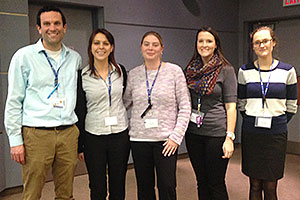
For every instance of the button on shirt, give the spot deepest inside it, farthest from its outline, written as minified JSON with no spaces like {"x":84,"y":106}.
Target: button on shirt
{"x":97,"y":104}
{"x":30,"y":81}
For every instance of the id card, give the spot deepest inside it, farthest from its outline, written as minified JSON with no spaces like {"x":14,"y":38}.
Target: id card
{"x":110,"y":121}
{"x":151,"y":123}
{"x":263,"y":122}
{"x":59,"y":102}
{"x":196,"y":118}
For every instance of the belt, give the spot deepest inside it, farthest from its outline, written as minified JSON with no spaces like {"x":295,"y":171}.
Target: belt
{"x":62,"y":127}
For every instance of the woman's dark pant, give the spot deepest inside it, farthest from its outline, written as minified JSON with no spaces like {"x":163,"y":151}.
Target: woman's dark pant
{"x":210,"y":168}
{"x":148,"y":156}
{"x":102,"y":152}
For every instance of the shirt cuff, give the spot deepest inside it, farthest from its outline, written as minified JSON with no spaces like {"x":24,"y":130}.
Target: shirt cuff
{"x":176,"y":137}
{"x":15,"y":140}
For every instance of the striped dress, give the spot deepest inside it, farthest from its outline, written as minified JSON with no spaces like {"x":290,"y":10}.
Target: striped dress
{"x":263,"y":149}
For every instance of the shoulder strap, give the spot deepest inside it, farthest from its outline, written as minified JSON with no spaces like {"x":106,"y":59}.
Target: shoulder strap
{"x":124,"y":72}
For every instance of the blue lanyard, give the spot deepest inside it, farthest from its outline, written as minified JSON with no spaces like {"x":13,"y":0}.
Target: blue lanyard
{"x":264,"y":90}
{"x":109,"y":83}
{"x":53,"y":91}
{"x":54,"y":71}
{"x":147,"y":83}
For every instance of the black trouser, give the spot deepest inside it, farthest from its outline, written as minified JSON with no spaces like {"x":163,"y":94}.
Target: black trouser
{"x":209,"y":166}
{"x":148,"y":156}
{"x":110,"y":151}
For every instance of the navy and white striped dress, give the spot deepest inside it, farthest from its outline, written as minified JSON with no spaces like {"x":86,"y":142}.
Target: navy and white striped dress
{"x":263,"y":149}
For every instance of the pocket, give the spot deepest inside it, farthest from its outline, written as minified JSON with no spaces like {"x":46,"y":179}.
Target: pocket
{"x":28,"y":135}
{"x":31,"y":140}
{"x":76,"y":130}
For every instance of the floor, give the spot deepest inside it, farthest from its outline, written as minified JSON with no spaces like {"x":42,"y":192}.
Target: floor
{"x":237,"y":183}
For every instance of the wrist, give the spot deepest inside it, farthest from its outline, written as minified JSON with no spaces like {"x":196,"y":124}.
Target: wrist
{"x":230,"y":135}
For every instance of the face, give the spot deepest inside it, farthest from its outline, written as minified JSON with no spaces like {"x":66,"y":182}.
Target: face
{"x":206,"y":45}
{"x":101,"y":48}
{"x":262,"y":43}
{"x":151,"y":48}
{"x":52,"y":29}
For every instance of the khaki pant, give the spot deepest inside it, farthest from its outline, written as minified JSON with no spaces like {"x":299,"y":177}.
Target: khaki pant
{"x":45,"y":149}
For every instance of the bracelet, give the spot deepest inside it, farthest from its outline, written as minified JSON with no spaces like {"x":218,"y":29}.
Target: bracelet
{"x":230,"y":135}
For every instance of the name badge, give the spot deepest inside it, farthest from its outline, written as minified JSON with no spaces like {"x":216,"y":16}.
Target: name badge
{"x":110,"y":121}
{"x":151,"y":123}
{"x":59,"y":102}
{"x":263,"y":122}
{"x":196,"y":118}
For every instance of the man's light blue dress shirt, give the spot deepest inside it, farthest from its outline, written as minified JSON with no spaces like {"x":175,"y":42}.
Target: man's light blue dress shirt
{"x":30,"y":81}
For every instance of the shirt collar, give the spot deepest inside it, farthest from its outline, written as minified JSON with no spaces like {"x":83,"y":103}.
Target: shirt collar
{"x":40,"y":47}
{"x":87,"y":69}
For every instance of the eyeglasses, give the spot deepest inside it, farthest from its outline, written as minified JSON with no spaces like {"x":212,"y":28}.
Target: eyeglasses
{"x":264,"y":42}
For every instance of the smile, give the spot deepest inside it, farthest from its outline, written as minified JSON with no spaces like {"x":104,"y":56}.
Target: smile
{"x":52,"y":34}
{"x":205,"y":50}
{"x":100,"y":52}
{"x":150,"y":54}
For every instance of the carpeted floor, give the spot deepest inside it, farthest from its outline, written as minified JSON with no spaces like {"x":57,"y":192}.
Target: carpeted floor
{"x":237,"y":183}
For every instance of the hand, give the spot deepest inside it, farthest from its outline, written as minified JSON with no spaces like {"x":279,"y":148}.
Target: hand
{"x":17,"y":154}
{"x":228,"y":148}
{"x":170,"y":148}
{"x":81,"y":157}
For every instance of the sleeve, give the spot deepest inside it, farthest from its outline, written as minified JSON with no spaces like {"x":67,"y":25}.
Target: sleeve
{"x":291,"y":94}
{"x":242,"y":91}
{"x":81,"y":111}
{"x":80,"y":63}
{"x":230,"y":85}
{"x":184,"y":108}
{"x":17,"y":82}
{"x":127,"y":97}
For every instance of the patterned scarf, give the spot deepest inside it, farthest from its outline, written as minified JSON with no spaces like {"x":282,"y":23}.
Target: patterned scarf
{"x":202,"y":79}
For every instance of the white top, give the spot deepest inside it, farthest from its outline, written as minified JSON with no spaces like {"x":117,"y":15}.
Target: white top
{"x":98,"y":108}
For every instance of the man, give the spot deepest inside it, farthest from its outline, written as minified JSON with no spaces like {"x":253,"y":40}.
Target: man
{"x":39,"y":112}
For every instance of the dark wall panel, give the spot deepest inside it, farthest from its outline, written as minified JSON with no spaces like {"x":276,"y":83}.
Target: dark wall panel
{"x":175,"y":13}
{"x":177,"y":49}
{"x":14,"y":6}
{"x":14,"y":34}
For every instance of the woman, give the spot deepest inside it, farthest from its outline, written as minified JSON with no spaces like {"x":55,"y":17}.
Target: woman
{"x":267,"y":93}
{"x":209,"y":139}
{"x":104,"y":140}
{"x":160,"y":110}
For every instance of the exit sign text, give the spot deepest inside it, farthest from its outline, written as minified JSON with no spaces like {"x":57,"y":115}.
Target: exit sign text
{"x":291,"y":2}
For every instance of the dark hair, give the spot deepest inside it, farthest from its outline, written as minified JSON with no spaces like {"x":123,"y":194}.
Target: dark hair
{"x":218,"y":49}
{"x":157,"y":35}
{"x":49,"y":9}
{"x":111,"y":57}
{"x":274,"y":38}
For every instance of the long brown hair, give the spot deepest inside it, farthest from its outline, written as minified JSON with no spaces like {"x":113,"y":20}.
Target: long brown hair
{"x":111,"y":57}
{"x":218,"y":49}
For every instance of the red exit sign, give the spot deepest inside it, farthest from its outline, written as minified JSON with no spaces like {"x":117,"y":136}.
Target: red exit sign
{"x":291,"y":2}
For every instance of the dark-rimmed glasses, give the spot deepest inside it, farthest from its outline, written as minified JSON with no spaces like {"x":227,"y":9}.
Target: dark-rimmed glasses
{"x":264,"y":42}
